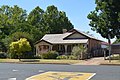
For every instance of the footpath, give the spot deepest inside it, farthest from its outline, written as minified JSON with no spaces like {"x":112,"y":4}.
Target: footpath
{"x":92,"y":61}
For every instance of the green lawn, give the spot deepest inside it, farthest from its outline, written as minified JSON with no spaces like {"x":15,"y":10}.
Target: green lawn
{"x":40,"y":61}
{"x":113,"y":62}
{"x":9,"y":60}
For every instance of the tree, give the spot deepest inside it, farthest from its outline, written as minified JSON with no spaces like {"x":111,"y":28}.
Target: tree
{"x":2,"y":47}
{"x":15,"y":37}
{"x":35,"y":16}
{"x":79,"y":52}
{"x":105,"y":19}
{"x":56,"y":20}
{"x":10,"y":17}
{"x":49,"y":21}
{"x":38,"y":27}
{"x":19,"y":47}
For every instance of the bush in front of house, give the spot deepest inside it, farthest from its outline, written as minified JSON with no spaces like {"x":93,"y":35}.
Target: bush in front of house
{"x":79,"y":52}
{"x":114,"y":57}
{"x":62,"y":57}
{"x":26,"y":55}
{"x":71,"y":57}
{"x":3,"y":55}
{"x":12,"y":55}
{"x":49,"y":55}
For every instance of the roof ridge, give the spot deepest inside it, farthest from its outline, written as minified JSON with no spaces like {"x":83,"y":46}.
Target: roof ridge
{"x":84,"y":34}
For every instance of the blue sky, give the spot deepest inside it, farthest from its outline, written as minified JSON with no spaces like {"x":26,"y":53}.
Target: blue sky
{"x":76,"y":10}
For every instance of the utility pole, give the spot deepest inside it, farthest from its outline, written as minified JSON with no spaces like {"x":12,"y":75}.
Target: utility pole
{"x":109,"y":47}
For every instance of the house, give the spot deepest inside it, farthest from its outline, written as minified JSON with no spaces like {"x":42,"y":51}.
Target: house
{"x":64,"y":43}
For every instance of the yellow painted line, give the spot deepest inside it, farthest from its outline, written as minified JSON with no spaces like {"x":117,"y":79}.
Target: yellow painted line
{"x":62,"y":76}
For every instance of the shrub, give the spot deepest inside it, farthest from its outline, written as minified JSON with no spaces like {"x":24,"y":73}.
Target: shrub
{"x":37,"y":57}
{"x":49,"y":55}
{"x":71,"y":57}
{"x":3,"y":55}
{"x":79,"y":52}
{"x":12,"y":56}
{"x":31,"y":57}
{"x":27,"y":55}
{"x":116,"y":57}
{"x":62,"y":57}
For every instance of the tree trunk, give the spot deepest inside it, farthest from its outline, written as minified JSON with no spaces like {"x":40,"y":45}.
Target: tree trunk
{"x":19,"y":57}
{"x":81,"y":55}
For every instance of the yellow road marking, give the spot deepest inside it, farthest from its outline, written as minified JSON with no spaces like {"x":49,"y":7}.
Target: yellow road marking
{"x":62,"y":76}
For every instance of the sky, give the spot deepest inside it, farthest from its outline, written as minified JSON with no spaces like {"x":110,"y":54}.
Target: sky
{"x":76,"y":10}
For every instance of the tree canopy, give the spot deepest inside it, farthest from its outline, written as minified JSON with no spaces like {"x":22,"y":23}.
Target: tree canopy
{"x":19,"y":47}
{"x":105,"y":19}
{"x":50,"y":21}
{"x":10,"y":18}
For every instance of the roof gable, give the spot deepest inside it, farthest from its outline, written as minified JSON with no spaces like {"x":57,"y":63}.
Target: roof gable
{"x":76,"y":35}
{"x":87,"y":35}
{"x":43,"y":42}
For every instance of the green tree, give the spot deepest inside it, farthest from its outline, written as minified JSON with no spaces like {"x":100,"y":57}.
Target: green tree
{"x":49,"y":21}
{"x":10,"y":17}
{"x":2,"y":47}
{"x":19,"y":47}
{"x":56,"y":20}
{"x":16,"y":36}
{"x":105,"y":19}
{"x":35,"y":18}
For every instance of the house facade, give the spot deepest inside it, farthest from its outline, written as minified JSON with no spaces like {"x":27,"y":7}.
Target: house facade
{"x":64,"y":43}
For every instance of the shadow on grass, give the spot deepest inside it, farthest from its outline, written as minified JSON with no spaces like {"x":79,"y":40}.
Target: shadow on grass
{"x":29,"y":60}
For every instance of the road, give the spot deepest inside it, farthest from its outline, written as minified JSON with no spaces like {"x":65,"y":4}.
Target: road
{"x":10,"y":71}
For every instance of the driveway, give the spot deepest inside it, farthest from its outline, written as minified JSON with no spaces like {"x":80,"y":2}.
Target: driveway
{"x":92,"y":61}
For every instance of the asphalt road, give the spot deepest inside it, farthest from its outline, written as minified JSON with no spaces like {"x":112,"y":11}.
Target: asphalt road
{"x":10,"y":71}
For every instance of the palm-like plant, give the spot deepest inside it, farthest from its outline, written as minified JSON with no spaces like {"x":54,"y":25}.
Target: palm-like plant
{"x":79,"y":51}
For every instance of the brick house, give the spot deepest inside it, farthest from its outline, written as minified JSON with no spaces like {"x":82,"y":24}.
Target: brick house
{"x":64,"y":43}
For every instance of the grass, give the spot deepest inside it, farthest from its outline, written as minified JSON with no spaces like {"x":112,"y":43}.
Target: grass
{"x":60,"y":61}
{"x":113,"y":62}
{"x":9,"y":60}
{"x":40,"y":61}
